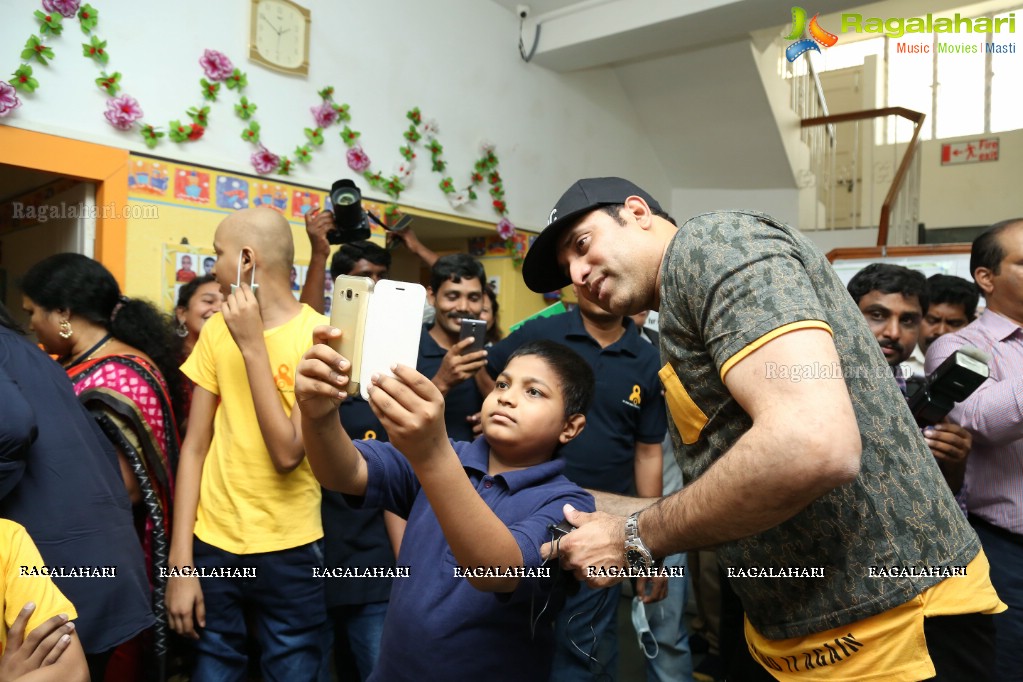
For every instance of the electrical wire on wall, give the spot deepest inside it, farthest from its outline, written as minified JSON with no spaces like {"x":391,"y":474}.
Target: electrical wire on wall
{"x":536,"y":37}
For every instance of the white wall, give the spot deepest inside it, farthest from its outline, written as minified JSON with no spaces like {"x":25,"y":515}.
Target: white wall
{"x":781,"y":204}
{"x":975,"y":193}
{"x":457,"y":61}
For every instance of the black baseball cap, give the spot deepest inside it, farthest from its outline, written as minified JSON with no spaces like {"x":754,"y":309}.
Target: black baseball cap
{"x":540,"y":268}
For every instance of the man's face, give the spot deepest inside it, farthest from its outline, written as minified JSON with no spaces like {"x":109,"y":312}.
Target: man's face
{"x":894,"y":320}
{"x":455,"y":300}
{"x":940,"y":319}
{"x":605,"y":261}
{"x":186,"y":262}
{"x":1006,"y":295}
{"x":363,"y":268}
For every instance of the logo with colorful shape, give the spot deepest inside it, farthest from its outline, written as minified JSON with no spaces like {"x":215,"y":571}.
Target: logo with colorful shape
{"x":817,"y":35}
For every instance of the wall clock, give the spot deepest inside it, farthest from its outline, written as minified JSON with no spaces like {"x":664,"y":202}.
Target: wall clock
{"x":279,"y":37}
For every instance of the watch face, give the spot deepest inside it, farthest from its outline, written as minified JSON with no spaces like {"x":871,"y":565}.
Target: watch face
{"x":280,"y":33}
{"x":636,"y":558}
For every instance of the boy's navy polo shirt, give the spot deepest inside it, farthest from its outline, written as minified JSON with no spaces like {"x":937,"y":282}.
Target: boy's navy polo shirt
{"x":355,"y":537}
{"x":461,"y":401}
{"x":628,"y":406}
{"x":438,"y":626}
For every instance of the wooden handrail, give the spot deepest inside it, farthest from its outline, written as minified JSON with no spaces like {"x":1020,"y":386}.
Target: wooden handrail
{"x":857,"y":252}
{"x":916,"y":117}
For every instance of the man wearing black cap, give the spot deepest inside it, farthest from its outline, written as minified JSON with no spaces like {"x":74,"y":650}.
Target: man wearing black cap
{"x":802,"y":462}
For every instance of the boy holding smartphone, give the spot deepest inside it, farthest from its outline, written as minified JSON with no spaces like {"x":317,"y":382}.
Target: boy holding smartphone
{"x":486,"y":505}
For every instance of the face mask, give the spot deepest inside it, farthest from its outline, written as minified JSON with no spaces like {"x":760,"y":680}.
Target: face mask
{"x":647,"y":643}
{"x":238,"y":278}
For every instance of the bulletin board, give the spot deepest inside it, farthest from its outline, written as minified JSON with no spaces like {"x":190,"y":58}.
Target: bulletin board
{"x":175,"y":208}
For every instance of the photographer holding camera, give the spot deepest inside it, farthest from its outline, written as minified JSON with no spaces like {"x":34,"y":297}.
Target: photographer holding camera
{"x":892,"y":299}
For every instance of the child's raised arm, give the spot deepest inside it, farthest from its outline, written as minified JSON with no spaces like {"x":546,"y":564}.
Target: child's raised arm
{"x":411,"y":409}
{"x":319,"y":391}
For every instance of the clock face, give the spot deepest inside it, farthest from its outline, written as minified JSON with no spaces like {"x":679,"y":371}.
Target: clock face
{"x":280,"y":34}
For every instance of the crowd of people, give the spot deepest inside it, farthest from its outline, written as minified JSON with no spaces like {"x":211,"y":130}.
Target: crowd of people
{"x":199,"y":495}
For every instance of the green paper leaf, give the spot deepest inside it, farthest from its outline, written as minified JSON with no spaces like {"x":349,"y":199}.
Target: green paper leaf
{"x":447,"y":185}
{"x":245,"y":109}
{"x":251,"y":134}
{"x":96,"y":49}
{"x":49,"y":23}
{"x":151,"y":135}
{"x":109,"y":83}
{"x":314,"y":136}
{"x":472,"y":194}
{"x":200,"y":116}
{"x":178,"y":131}
{"x":407,"y":152}
{"x":285,"y":167}
{"x":237,"y":80}
{"x":394,"y":187}
{"x":23,"y":80}
{"x":303,"y":154}
{"x":342,"y":112}
{"x":412,"y":135}
{"x":414,"y":116}
{"x":88,"y":17}
{"x":327,"y":92}
{"x":34,"y":49}
{"x":439,"y":166}
{"x":349,"y":136}
{"x":209,"y":90}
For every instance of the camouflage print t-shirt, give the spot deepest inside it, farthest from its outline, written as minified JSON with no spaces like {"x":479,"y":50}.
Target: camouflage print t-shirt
{"x":732,"y":281}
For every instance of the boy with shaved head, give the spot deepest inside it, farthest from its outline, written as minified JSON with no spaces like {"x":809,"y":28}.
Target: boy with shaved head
{"x":247,"y":526}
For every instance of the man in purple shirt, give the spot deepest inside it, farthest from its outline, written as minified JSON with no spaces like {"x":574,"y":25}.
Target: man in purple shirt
{"x":994,"y":414}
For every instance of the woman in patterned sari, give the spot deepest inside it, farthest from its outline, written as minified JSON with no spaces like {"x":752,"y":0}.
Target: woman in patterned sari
{"x":119,"y":355}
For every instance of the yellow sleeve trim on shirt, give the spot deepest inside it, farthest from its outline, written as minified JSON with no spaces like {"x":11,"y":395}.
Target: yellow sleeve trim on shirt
{"x":771,"y":336}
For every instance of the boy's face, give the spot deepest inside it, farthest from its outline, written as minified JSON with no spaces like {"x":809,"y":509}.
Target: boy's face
{"x":525,"y":413}
{"x":225,"y":270}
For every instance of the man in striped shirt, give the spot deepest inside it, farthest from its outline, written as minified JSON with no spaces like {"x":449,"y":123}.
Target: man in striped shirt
{"x":994,"y":414}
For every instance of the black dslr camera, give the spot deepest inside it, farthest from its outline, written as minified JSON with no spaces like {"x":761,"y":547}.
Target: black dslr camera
{"x":351,"y":221}
{"x":952,"y":382}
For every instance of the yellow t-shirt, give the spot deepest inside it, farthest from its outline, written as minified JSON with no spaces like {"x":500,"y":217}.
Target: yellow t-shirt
{"x":16,"y":589}
{"x":245,"y":506}
{"x":888,"y":647}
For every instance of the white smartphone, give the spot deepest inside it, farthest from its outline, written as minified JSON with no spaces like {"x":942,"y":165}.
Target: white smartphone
{"x":393,"y":325}
{"x":348,"y":312}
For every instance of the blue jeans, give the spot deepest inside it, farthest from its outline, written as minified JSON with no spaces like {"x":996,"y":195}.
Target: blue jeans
{"x":287,"y":605}
{"x":357,"y":632}
{"x":586,"y":636}
{"x":1005,"y":553}
{"x":667,"y":621}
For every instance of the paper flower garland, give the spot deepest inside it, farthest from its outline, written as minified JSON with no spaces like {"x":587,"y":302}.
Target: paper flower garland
{"x":123,"y":112}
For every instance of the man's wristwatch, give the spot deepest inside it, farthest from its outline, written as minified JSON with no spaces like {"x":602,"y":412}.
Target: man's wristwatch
{"x":636,"y":553}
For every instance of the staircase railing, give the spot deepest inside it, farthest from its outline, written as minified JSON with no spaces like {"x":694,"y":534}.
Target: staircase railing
{"x":899,"y":215}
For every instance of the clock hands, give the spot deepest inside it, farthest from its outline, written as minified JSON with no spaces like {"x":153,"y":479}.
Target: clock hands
{"x":276,"y":30}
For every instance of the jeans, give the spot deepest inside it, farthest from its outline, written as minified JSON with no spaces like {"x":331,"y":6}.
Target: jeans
{"x":357,"y":632}
{"x":586,"y":636}
{"x":288,"y":609}
{"x":1005,"y":553}
{"x":667,"y":620}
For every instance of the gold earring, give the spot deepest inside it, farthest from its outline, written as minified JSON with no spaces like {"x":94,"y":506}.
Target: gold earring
{"x":65,"y":329}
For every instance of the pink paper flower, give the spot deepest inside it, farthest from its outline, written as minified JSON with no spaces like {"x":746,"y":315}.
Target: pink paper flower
{"x":358,"y":160}
{"x":122,"y":112}
{"x":67,"y":8}
{"x":216,"y":65}
{"x":325,"y":114}
{"x":264,"y":161}
{"x":505,"y":229}
{"x":8,"y":98}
